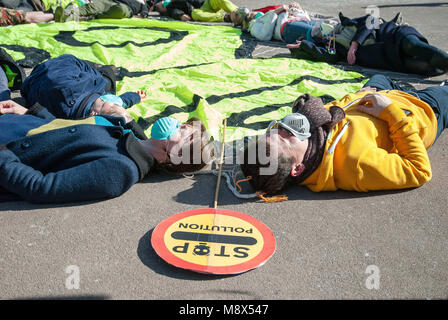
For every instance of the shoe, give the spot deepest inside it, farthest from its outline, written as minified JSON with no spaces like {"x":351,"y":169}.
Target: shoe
{"x":227,"y":17}
{"x":398,"y":19}
{"x":14,"y":72}
{"x":242,"y":15}
{"x":62,"y":15}
{"x":58,"y":14}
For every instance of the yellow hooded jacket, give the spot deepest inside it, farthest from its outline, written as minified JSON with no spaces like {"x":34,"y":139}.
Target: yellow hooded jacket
{"x":365,"y":153}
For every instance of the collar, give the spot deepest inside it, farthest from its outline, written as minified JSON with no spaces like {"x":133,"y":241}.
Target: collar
{"x":139,"y":155}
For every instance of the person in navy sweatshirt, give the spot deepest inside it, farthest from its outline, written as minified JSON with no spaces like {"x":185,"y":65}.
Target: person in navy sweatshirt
{"x":46,"y":159}
{"x":71,"y":88}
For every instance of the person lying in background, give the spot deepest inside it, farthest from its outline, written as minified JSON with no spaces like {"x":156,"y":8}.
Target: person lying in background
{"x":102,"y":9}
{"x":198,"y":10}
{"x":177,"y":9}
{"x":390,"y":46}
{"x":9,"y":17}
{"x":281,"y":23}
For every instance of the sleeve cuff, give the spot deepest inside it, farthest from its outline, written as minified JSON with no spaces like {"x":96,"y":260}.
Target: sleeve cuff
{"x":34,"y":109}
{"x":392,"y":114}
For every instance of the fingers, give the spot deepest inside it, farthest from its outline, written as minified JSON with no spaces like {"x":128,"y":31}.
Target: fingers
{"x":143,"y":94}
{"x":367,"y":99}
{"x":294,"y":45}
{"x":366,"y":109}
{"x":6,"y":107}
{"x":351,"y":58}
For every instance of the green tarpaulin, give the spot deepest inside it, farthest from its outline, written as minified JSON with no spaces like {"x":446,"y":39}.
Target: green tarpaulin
{"x":187,"y":69}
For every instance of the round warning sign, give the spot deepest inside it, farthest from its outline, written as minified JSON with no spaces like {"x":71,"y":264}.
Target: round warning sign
{"x":213,"y":241}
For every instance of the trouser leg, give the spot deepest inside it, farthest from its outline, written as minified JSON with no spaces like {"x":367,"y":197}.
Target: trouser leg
{"x":95,"y":8}
{"x":297,"y":30}
{"x":11,"y":17}
{"x":213,"y":11}
{"x":437,"y":98}
{"x":5,"y":94}
{"x":225,"y":5}
{"x":382,"y":82}
{"x":414,"y":47}
{"x":118,"y":11}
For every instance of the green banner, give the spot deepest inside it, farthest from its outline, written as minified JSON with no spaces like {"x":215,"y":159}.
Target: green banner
{"x":187,"y":69}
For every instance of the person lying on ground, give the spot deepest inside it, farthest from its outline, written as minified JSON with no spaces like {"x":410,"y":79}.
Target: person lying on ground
{"x":9,"y":17}
{"x":71,"y":88}
{"x":215,"y":11}
{"x":390,"y":46}
{"x":103,"y":9}
{"x":45,"y":159}
{"x":375,"y":139}
{"x":272,"y":23}
{"x":177,"y":9}
{"x":25,"y":5}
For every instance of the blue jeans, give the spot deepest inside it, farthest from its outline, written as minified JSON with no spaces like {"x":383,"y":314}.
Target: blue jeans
{"x":436,"y":97}
{"x":5,"y":93}
{"x":298,"y":30}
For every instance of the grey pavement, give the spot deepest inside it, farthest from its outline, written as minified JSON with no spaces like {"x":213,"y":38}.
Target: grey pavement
{"x":325,"y":241}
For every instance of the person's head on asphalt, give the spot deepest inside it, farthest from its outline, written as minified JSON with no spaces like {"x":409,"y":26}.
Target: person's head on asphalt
{"x":180,"y":147}
{"x":292,"y":148}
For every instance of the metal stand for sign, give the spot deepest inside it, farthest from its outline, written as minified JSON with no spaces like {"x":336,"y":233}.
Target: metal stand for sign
{"x":215,"y":204}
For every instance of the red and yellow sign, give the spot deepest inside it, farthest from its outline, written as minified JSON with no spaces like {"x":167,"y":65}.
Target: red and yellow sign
{"x":213,"y":241}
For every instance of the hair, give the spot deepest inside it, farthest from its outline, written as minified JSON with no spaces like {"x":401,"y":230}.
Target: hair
{"x":198,"y":141}
{"x":270,"y":184}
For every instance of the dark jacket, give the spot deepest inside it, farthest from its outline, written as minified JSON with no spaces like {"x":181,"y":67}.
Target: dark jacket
{"x":66,"y":86}
{"x":136,"y":7}
{"x":73,"y":163}
{"x":177,"y":8}
{"x":385,"y":53}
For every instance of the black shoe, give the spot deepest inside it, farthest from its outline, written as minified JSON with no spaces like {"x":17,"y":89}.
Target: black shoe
{"x":398,"y":19}
{"x":14,"y":72}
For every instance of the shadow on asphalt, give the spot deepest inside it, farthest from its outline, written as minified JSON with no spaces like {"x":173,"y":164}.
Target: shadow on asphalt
{"x":303,"y":193}
{"x":202,"y":193}
{"x":149,"y":258}
{"x":86,"y":297}
{"x":427,"y":4}
{"x":19,"y":205}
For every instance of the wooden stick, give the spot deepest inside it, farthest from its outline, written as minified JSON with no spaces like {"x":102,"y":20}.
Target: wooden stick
{"x":215,"y":204}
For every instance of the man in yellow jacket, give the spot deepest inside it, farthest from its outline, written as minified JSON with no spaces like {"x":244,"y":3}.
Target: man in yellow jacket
{"x":374,"y":139}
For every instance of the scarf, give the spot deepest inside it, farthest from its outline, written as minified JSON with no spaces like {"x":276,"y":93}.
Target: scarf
{"x":321,"y":121}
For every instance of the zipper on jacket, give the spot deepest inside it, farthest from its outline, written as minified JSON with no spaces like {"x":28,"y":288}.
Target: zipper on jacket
{"x":338,"y":137}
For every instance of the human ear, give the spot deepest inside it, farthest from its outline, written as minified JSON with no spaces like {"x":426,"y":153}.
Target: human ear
{"x":297,"y":169}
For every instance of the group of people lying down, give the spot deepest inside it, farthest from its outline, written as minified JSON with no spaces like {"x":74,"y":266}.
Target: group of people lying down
{"x":74,"y":140}
{"x":367,"y":41}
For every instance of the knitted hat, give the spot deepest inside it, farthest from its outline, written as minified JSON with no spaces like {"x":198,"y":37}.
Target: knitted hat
{"x":318,"y":116}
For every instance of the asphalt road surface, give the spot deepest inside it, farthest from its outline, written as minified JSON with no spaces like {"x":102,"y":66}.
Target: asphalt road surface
{"x":327,"y":242}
